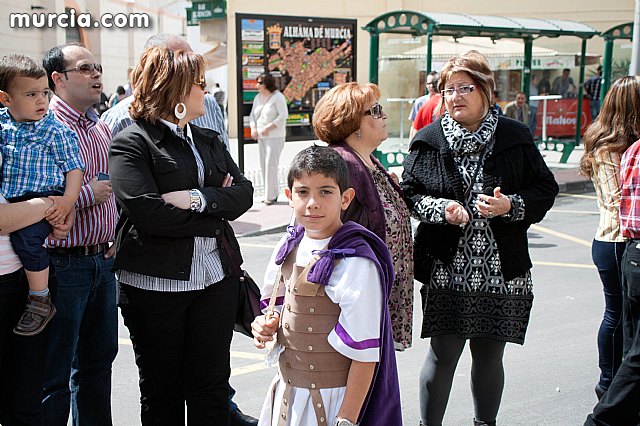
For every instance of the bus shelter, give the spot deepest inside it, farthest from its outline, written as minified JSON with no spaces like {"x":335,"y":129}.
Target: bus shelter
{"x":418,"y":24}
{"x":619,"y":32}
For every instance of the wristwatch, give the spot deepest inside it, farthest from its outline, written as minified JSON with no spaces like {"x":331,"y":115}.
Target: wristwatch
{"x":344,"y":422}
{"x":196,"y":202}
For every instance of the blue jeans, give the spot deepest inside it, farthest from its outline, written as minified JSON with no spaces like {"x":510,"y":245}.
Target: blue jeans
{"x":594,"y":108}
{"x":607,"y":256}
{"x":84,"y":341}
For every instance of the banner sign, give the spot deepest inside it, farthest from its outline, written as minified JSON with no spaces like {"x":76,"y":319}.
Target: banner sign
{"x":561,"y":118}
{"x":307,"y":57}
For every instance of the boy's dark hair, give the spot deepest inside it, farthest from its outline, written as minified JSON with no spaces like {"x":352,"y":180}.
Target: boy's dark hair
{"x":13,"y":66}
{"x":319,"y":159}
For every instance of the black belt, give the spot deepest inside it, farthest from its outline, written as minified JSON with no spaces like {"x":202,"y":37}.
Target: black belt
{"x":80,"y":250}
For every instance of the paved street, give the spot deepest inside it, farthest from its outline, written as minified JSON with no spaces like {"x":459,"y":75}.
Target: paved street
{"x":549,"y":380}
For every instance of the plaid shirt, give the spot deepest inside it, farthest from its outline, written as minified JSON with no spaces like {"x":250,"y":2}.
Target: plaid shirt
{"x":36,"y":154}
{"x":630,"y":192}
{"x":95,"y":223}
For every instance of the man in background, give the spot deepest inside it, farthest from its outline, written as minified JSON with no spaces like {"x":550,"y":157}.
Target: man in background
{"x":432,"y":88}
{"x":518,"y":109}
{"x":592,"y":88}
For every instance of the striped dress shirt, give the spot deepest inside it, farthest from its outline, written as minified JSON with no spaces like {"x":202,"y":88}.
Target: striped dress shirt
{"x":95,"y":223}
{"x":630,"y":192}
{"x":9,"y":261}
{"x":118,"y":119}
{"x":206,"y":265}
{"x":36,"y":154}
{"x":606,"y":180}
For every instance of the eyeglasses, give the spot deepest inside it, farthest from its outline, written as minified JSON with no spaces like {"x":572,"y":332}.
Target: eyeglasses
{"x":460,"y":90}
{"x":202,"y":83}
{"x":85,"y":69}
{"x":260,"y":82}
{"x":375,"y":111}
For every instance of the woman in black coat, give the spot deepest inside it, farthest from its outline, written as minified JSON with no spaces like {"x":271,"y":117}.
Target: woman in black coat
{"x":177,"y":187}
{"x":476,"y":182}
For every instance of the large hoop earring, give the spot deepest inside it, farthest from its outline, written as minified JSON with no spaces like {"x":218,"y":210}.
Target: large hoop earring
{"x":176,"y":111}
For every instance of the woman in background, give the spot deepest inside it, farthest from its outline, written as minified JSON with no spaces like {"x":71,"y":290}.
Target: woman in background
{"x":607,"y":138}
{"x":268,"y":122}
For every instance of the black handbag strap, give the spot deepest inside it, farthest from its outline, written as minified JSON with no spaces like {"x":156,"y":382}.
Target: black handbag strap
{"x":235,"y":263}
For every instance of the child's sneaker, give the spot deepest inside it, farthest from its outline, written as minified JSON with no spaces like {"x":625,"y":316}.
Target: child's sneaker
{"x":36,"y":315}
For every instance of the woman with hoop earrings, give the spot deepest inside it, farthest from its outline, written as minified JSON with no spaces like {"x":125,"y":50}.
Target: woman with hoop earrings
{"x":177,"y":187}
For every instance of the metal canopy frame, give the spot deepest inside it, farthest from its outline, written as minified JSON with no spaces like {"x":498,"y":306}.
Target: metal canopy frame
{"x":495,"y":27}
{"x":619,"y":32}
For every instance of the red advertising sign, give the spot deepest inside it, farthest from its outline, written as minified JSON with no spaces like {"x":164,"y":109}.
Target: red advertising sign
{"x":561,"y":117}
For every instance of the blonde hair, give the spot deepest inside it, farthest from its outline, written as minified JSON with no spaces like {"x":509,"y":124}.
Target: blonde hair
{"x":162,"y":79}
{"x":476,"y":65}
{"x":340,"y":110}
{"x":617,"y":126}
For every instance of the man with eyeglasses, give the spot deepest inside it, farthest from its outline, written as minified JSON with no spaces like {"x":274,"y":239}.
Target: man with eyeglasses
{"x":84,"y":333}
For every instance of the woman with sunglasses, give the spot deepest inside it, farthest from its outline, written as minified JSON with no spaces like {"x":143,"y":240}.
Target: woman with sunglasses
{"x":476,"y":182}
{"x":268,"y":121}
{"x":177,"y":188}
{"x":350,"y":119}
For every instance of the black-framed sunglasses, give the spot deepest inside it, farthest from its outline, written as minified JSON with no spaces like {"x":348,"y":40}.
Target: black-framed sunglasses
{"x":85,"y":69}
{"x":375,"y":111}
{"x":260,"y":82}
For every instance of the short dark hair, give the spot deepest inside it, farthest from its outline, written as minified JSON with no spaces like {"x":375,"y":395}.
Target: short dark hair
{"x":268,"y":81}
{"x":120,"y":90}
{"x":13,"y":66}
{"x":54,"y":61}
{"x":319,"y":159}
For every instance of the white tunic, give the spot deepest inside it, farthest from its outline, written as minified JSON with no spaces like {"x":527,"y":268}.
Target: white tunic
{"x":355,"y":286}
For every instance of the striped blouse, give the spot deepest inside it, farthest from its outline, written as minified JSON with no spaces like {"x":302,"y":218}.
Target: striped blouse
{"x":606,"y":180}
{"x":9,"y":261}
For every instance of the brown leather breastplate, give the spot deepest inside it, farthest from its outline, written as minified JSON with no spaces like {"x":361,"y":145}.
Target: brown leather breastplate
{"x":307,"y":318}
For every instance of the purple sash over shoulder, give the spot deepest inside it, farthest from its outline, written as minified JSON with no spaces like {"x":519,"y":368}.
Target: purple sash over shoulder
{"x":382,"y":405}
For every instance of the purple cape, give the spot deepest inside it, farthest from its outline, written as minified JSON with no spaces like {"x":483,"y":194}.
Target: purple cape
{"x":382,"y":404}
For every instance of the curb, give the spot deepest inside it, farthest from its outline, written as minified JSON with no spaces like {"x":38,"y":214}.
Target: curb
{"x":265,"y":231}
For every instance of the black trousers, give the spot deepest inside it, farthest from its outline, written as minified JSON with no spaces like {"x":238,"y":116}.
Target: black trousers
{"x":22,"y":359}
{"x":620,"y":404}
{"x":181,"y":341}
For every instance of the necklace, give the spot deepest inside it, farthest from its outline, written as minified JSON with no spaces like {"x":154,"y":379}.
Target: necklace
{"x":369,"y":164}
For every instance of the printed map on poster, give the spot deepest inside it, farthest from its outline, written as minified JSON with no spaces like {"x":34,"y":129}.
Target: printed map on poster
{"x":311,"y":57}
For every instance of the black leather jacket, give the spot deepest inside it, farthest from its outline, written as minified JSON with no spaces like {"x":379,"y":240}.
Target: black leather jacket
{"x":152,"y":237}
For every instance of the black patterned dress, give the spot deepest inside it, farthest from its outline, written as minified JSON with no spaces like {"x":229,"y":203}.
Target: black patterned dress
{"x":469,"y":297}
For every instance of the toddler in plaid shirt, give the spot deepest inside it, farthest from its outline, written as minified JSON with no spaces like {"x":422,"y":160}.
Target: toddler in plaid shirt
{"x":39,"y":157}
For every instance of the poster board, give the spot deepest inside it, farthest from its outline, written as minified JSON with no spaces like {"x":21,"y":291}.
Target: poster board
{"x":306,"y":55}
